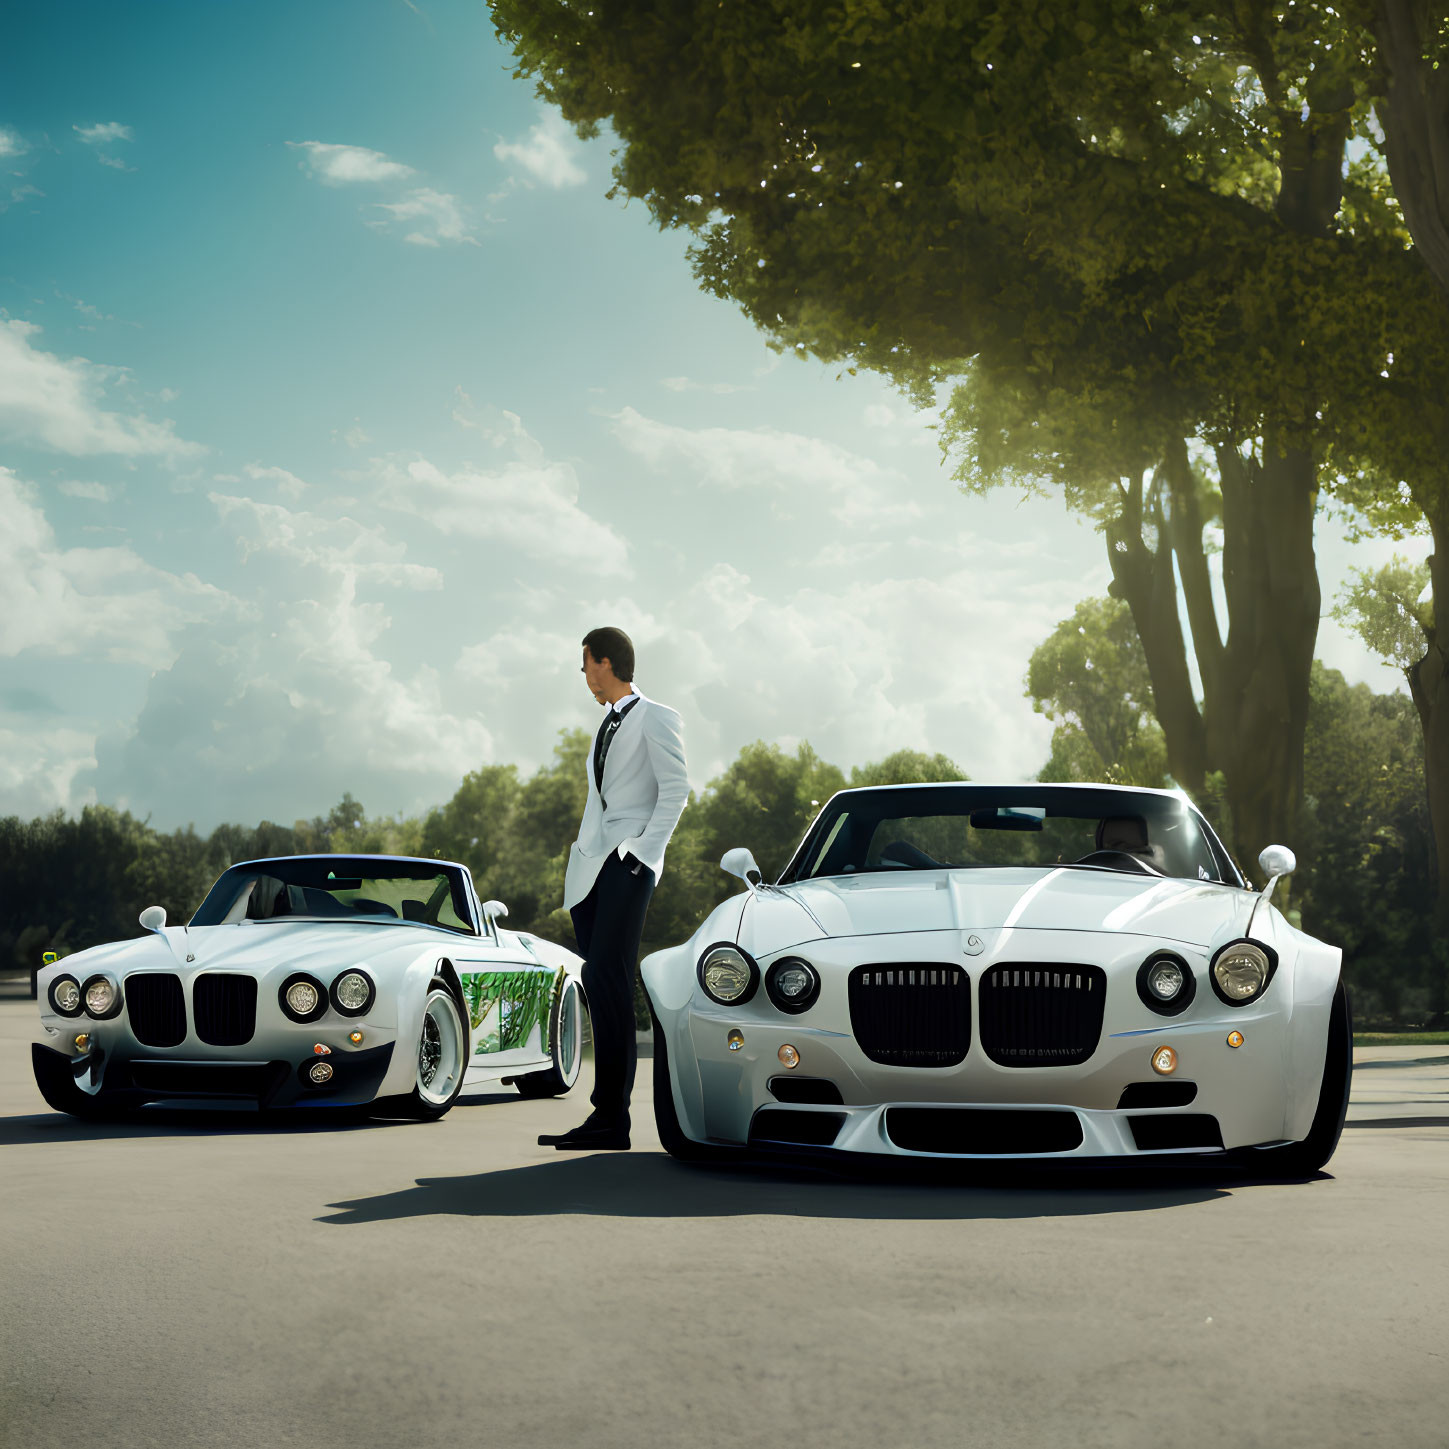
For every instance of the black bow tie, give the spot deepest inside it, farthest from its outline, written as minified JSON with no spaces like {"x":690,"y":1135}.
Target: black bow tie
{"x":612,"y":721}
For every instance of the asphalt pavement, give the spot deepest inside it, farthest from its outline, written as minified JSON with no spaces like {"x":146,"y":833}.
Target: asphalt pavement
{"x":204,"y":1279}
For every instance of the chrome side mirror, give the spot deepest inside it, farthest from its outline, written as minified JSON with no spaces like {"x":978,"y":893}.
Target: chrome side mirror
{"x":741,"y":862}
{"x":493,"y":909}
{"x":1277,"y":860}
{"x":153,"y":917}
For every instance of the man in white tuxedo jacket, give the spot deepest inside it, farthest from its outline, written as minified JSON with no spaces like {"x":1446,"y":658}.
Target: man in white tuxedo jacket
{"x":637,"y":792}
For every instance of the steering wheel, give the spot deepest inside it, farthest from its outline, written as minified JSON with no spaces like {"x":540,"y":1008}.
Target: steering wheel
{"x":1118,"y":860}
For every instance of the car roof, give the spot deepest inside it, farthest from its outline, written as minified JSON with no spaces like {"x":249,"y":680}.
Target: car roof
{"x":1020,"y":785}
{"x":351,"y":855}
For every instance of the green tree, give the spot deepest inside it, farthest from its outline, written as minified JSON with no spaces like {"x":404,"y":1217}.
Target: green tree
{"x":1090,"y":676}
{"x":1132,"y":226}
{"x":906,"y":767}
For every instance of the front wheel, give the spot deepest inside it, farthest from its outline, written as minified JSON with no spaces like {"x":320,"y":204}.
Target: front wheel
{"x":566,"y":1046}
{"x":1303,"y":1159}
{"x":442,"y":1058}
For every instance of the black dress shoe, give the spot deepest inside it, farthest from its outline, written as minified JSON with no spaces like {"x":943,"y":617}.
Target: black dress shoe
{"x":591,"y":1137}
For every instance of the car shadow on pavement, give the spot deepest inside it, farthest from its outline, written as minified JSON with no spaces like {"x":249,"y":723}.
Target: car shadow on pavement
{"x":178,"y":1122}
{"x":652,"y":1185}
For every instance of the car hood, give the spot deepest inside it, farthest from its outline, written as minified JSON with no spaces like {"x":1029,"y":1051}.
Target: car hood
{"x":1197,"y":913}
{"x":257,"y":947}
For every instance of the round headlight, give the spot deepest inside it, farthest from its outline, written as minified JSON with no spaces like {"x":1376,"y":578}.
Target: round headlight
{"x":65,"y":996}
{"x":1240,"y":972}
{"x":1165,"y":984}
{"x":1165,"y":979}
{"x":352,"y":993}
{"x":303,"y":997}
{"x":100,"y":995}
{"x":793,"y":984}
{"x":728,"y":975}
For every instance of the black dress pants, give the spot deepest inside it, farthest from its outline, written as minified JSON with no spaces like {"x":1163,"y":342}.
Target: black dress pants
{"x":608,"y":924}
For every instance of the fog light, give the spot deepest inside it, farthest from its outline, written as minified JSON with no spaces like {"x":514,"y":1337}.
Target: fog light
{"x":320,"y":1072}
{"x":355,"y":1037}
{"x":322,"y":1050}
{"x":1235,"y":1038}
{"x":1164,"y":1061}
{"x":735,"y":1041}
{"x":789,"y":1057}
{"x":82,"y":1041}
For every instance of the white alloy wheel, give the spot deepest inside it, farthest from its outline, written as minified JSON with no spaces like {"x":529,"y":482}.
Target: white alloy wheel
{"x":442,"y":1049}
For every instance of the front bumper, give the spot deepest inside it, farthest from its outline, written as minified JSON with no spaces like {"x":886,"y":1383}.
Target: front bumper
{"x":1239,"y":1097}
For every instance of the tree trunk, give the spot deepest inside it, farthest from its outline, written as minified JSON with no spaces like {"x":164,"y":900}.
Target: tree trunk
{"x":1143,"y":578}
{"x":1257,"y":719}
{"x":1429,"y":686}
{"x":1415,"y":118}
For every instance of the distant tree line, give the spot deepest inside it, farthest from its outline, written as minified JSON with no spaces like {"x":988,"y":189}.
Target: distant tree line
{"x":1365,"y":849}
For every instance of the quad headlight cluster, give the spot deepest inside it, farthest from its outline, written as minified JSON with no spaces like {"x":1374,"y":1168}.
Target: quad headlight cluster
{"x":304,"y":998}
{"x":101,"y":998}
{"x":65,"y":996}
{"x":1241,"y":971}
{"x":731,"y":977}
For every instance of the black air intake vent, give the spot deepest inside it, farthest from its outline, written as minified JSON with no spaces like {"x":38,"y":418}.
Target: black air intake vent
{"x":225,"y":1008}
{"x":1041,"y":1013}
{"x":911,"y":1013}
{"x":156,"y":1008}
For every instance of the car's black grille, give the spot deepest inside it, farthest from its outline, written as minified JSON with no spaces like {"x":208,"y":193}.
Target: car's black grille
{"x":156,"y":1008}
{"x":225,"y":1008}
{"x":203,"y":1079}
{"x":982,"y":1132}
{"x":1041,"y":1014}
{"x":912,"y":1013}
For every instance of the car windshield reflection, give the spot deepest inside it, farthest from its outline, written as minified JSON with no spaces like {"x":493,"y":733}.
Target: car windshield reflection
{"x":947,"y":827}
{"x":339,"y":888}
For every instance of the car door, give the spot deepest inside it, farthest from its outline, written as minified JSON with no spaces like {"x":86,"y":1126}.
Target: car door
{"x":508,"y":992}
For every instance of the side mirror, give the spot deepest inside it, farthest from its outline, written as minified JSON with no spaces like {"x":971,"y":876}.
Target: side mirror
{"x":153,"y":917}
{"x":1277,"y":860}
{"x":493,"y":909}
{"x":741,"y":862}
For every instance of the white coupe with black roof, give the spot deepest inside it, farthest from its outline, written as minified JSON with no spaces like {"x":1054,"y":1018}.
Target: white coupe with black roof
{"x":374,"y":982}
{"x":1047,"y":972}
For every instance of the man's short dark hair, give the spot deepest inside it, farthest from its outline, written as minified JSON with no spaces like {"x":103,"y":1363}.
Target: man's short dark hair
{"x":615,"y":646}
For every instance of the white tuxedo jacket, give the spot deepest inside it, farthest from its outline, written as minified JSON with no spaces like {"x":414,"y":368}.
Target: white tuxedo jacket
{"x":645,"y":788}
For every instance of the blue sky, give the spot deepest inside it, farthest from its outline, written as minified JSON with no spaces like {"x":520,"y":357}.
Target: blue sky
{"x":337,"y":402}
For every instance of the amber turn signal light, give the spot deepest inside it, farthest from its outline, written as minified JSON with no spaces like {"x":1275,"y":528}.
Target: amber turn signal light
{"x":1235,"y":1038}
{"x":789,"y":1057}
{"x":355,"y":1037}
{"x":1164,"y":1061}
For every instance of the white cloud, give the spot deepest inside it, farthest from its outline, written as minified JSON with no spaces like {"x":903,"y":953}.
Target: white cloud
{"x":288,"y":484}
{"x":11,"y":144}
{"x":855,"y":490}
{"x":530,"y":507}
{"x":434,"y":209}
{"x":547,"y":154}
{"x":104,"y":133}
{"x":100,"y":602}
{"x":54,"y":403}
{"x":335,"y":165}
{"x":347,"y":550}
{"x":95,"y":492}
{"x":39,"y":767}
{"x":19,"y":194}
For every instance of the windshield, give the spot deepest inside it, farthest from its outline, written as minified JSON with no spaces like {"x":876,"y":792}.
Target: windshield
{"x":339,"y":887}
{"x":965,"y":827}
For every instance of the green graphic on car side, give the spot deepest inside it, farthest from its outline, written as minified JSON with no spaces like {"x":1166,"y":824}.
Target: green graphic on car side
{"x":504,"y":1007}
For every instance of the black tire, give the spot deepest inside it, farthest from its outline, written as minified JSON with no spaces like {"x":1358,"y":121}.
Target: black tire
{"x":1303,"y":1159}
{"x":666,"y":1118}
{"x":560,"y":1076}
{"x":427,"y":1102}
{"x":56,"y":1081}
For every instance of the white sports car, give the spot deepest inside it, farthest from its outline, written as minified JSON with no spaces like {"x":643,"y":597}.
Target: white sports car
{"x":1035,"y":971}
{"x":314,"y":981}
